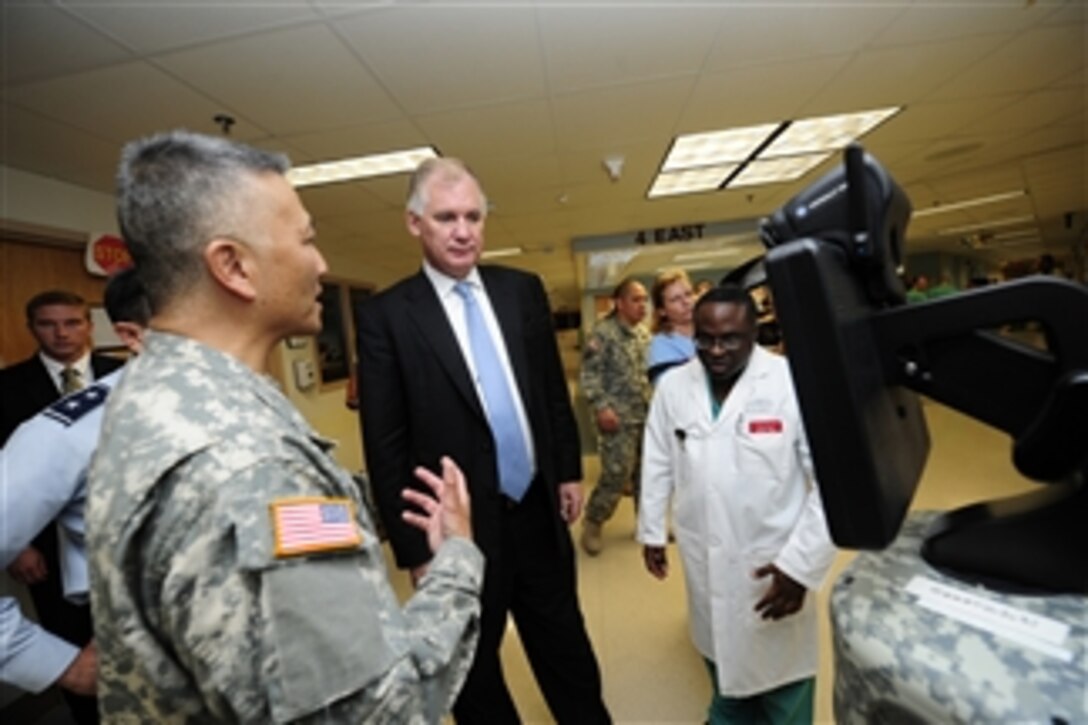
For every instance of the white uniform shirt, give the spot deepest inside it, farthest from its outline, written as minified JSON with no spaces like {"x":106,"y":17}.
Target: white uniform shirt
{"x":743,"y":496}
{"x":43,"y":472}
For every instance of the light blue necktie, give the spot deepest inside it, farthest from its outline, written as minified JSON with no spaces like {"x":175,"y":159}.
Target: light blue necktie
{"x":515,"y":470}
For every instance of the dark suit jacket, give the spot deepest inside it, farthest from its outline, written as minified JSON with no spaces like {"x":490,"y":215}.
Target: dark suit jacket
{"x":418,"y":402}
{"x":26,"y":388}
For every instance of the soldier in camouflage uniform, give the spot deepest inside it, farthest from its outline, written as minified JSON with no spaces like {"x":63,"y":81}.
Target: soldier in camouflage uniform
{"x":236,"y":576}
{"x":615,"y":384}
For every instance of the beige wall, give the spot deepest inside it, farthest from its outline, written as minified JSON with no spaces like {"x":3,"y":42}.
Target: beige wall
{"x":36,"y":209}
{"x":27,"y":269}
{"x":322,"y":406}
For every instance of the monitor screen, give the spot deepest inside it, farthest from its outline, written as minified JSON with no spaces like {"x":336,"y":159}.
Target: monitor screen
{"x":830,"y":269}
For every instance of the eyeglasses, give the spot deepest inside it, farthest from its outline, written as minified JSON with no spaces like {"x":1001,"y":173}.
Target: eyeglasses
{"x":730,"y":343}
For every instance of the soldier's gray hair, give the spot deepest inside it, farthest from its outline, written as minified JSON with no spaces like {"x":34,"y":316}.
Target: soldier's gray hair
{"x":447,"y":169}
{"x":177,"y":191}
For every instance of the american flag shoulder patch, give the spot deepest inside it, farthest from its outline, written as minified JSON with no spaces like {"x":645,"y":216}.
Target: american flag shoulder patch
{"x":309,"y":524}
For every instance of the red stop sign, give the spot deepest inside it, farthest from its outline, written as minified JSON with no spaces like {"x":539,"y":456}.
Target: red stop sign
{"x":110,"y":253}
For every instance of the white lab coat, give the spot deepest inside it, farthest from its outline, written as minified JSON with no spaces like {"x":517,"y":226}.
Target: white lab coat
{"x":743,"y":496}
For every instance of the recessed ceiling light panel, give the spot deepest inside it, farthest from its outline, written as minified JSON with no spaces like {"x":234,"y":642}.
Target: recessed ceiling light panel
{"x":361,"y":167}
{"x":773,"y":171}
{"x":716,"y":147}
{"x":501,"y":252}
{"x":939,"y":208}
{"x":826,"y":133}
{"x":977,"y":226}
{"x":690,"y":181}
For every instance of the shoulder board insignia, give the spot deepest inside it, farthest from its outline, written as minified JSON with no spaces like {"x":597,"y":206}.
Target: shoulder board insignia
{"x":71,"y":408}
{"x":313,"y":524}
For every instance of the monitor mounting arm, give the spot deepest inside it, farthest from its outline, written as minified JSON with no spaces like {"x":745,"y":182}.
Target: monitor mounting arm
{"x":950,"y":350}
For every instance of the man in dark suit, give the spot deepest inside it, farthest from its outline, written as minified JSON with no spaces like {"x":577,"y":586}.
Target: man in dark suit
{"x":462,"y":360}
{"x":61,"y":324}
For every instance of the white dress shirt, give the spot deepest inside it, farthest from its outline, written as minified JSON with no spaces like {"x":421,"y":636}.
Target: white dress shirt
{"x":455,"y":313}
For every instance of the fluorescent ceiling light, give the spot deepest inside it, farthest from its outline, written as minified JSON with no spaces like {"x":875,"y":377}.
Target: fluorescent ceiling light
{"x":1018,"y":242}
{"x":696,"y":265}
{"x":360,"y":167}
{"x":826,"y":133}
{"x":690,"y":181}
{"x":716,"y":147}
{"x":796,"y":146}
{"x":501,"y":252}
{"x":968,"y":203}
{"x":1015,"y":234}
{"x":727,"y":252}
{"x":1006,"y":222}
{"x":770,"y":171}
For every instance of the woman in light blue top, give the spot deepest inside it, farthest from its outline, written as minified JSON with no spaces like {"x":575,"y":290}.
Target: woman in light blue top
{"x":673,"y":302}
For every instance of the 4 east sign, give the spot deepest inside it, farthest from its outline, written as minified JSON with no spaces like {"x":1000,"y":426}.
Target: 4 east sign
{"x":667,"y":235}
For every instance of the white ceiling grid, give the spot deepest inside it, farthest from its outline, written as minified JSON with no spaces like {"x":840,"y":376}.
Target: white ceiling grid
{"x":534,"y":95}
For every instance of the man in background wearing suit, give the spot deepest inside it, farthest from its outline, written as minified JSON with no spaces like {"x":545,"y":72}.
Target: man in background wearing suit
{"x":61,"y":324}
{"x":461,"y":360}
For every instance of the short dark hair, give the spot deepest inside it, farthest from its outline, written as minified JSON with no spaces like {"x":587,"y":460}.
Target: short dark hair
{"x":176,"y":192}
{"x":54,"y":297}
{"x":729,"y":293}
{"x":125,"y":299}
{"x":621,"y":289}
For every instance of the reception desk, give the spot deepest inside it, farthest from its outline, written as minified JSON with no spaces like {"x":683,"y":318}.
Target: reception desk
{"x":913,"y":645}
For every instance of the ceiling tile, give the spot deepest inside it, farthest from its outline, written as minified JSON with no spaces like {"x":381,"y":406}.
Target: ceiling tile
{"x":899,"y":75}
{"x":122,"y":102}
{"x":509,"y":129}
{"x":451,"y":60}
{"x":292,"y":81}
{"x":72,"y":45}
{"x":620,"y":115}
{"x":52,"y":149}
{"x":758,"y":94}
{"x":936,"y":120}
{"x":1031,"y":60}
{"x":777,"y":32}
{"x":1033,"y":110}
{"x":928,"y":22}
{"x":151,"y":27}
{"x":588,"y":47}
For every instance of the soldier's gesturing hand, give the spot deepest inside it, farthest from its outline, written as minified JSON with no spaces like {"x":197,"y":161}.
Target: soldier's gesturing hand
{"x":448,"y":512}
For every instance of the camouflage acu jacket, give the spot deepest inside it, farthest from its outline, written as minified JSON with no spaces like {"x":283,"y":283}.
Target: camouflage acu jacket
{"x":614,"y":369}
{"x":236,"y":577}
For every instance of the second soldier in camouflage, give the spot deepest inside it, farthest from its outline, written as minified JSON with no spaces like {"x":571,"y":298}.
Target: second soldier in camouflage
{"x":614,"y":382}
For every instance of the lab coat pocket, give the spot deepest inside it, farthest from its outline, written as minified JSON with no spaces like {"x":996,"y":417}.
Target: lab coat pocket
{"x":692,"y":450}
{"x":763,"y":446}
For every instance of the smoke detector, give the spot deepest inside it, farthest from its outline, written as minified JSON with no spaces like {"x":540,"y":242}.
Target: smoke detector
{"x":614,"y":166}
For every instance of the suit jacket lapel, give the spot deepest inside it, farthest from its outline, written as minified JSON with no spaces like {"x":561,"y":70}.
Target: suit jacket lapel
{"x":43,"y":386}
{"x":428,"y":314}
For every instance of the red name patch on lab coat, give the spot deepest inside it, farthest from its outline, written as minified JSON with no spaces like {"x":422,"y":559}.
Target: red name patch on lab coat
{"x":765,"y":426}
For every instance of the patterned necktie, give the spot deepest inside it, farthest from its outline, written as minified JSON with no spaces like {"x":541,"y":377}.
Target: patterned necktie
{"x":70,"y":380}
{"x":515,"y":470}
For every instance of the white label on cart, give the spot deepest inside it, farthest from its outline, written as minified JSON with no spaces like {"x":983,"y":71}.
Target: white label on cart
{"x":1040,"y":633}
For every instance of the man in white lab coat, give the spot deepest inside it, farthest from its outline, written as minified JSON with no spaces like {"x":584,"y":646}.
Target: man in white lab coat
{"x":725,"y":442}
